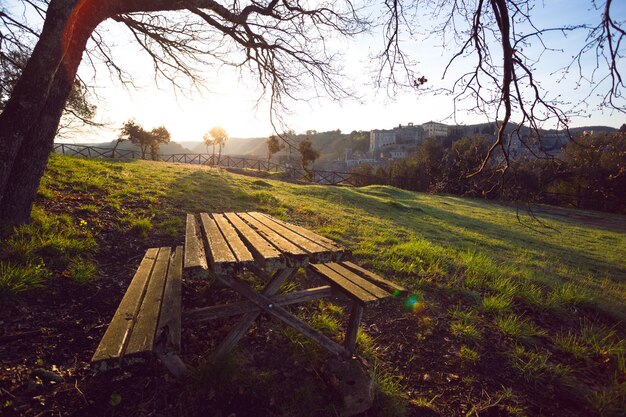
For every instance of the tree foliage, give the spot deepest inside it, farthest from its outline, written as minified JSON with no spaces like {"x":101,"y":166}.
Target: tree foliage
{"x":590,"y":174}
{"x":136,"y":134}
{"x":274,"y":145}
{"x":308,"y":154}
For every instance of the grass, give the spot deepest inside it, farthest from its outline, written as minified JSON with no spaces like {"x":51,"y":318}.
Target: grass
{"x":552,"y":294}
{"x":518,"y":327}
{"x":19,"y":278}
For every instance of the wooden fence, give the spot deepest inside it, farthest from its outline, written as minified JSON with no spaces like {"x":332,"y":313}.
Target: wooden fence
{"x":226,"y":161}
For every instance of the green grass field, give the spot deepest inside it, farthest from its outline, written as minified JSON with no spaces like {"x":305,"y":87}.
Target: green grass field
{"x":543,"y":296}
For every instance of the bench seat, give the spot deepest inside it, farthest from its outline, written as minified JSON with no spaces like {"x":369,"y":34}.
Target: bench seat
{"x":363,"y":287}
{"x":148,"y":319}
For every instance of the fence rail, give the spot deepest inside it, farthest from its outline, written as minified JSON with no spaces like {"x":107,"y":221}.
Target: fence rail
{"x":226,"y":161}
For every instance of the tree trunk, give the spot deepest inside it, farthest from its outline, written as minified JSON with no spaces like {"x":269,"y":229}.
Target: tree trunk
{"x":30,"y":119}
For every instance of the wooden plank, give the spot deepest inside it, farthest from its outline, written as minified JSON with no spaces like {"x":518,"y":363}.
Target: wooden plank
{"x":264,"y":253}
{"x":268,"y":305}
{"x":376,"y":291}
{"x":169,"y":328}
{"x":221,"y":258}
{"x":246,"y":321}
{"x":195,"y":259}
{"x":242,"y":307}
{"x":141,"y":339}
{"x":239,"y":249}
{"x":115,"y":338}
{"x":392,"y":287}
{"x":352,"y":331}
{"x":298,"y":240}
{"x":294,"y":253}
{"x":338,"y":251}
{"x":346,"y":286}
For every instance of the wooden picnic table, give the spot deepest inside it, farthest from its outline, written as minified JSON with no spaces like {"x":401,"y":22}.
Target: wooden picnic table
{"x":220,"y":246}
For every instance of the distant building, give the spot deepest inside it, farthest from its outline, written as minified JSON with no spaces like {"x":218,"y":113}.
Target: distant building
{"x":398,"y":142}
{"x":435,"y":130}
{"x":381,"y":139}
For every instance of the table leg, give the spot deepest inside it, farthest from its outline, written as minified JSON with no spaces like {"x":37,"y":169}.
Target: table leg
{"x":352,"y":331}
{"x":246,"y":321}
{"x":269,"y":305}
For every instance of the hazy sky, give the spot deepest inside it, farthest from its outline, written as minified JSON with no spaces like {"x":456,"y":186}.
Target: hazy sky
{"x":231,"y":101}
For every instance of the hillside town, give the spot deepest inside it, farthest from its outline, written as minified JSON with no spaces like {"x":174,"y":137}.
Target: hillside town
{"x":401,"y":141}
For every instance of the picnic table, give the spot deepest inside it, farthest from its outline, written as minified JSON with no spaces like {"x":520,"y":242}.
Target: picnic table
{"x":228,"y":247}
{"x":221,"y":246}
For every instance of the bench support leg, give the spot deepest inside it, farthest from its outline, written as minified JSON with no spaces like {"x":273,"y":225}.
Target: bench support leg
{"x":174,"y":364}
{"x":356,"y":313}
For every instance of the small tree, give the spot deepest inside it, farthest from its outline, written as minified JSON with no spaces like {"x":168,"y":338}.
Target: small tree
{"x":220,"y":137}
{"x":308,"y":154}
{"x":273,"y":147}
{"x":136,"y":134}
{"x":158,"y":135}
{"x":208,"y":141}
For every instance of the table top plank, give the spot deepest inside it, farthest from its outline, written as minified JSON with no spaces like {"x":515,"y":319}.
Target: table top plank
{"x":301,"y":241}
{"x":265,"y":254}
{"x":195,"y":259}
{"x":289,"y":248}
{"x":239,"y":249}
{"x":329,"y":245}
{"x":219,"y":253}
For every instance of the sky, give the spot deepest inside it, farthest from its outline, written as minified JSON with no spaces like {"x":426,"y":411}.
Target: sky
{"x":232,"y":100}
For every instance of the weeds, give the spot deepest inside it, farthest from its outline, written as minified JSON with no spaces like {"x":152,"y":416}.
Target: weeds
{"x":82,"y":271}
{"x":19,"y":278}
{"x":498,"y":303}
{"x":390,"y":401}
{"x":535,"y":366}
{"x":139,"y":225}
{"x":518,"y":328}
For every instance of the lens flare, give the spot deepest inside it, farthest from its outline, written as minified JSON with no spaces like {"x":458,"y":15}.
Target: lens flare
{"x":414,"y":303}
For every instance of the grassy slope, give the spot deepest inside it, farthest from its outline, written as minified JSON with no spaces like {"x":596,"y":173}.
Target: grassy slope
{"x":551,"y":294}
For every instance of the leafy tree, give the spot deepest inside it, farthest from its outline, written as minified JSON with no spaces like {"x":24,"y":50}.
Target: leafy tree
{"x":274,"y":145}
{"x":158,"y":135}
{"x":307,"y":155}
{"x":136,"y":134}
{"x":220,"y":137}
{"x":593,"y":174}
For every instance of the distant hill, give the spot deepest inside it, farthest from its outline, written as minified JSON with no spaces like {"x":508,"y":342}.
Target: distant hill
{"x":164,"y":149}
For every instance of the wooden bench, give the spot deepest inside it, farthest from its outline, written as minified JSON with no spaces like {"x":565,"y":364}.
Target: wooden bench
{"x":148,"y":319}
{"x":361,"y":286}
